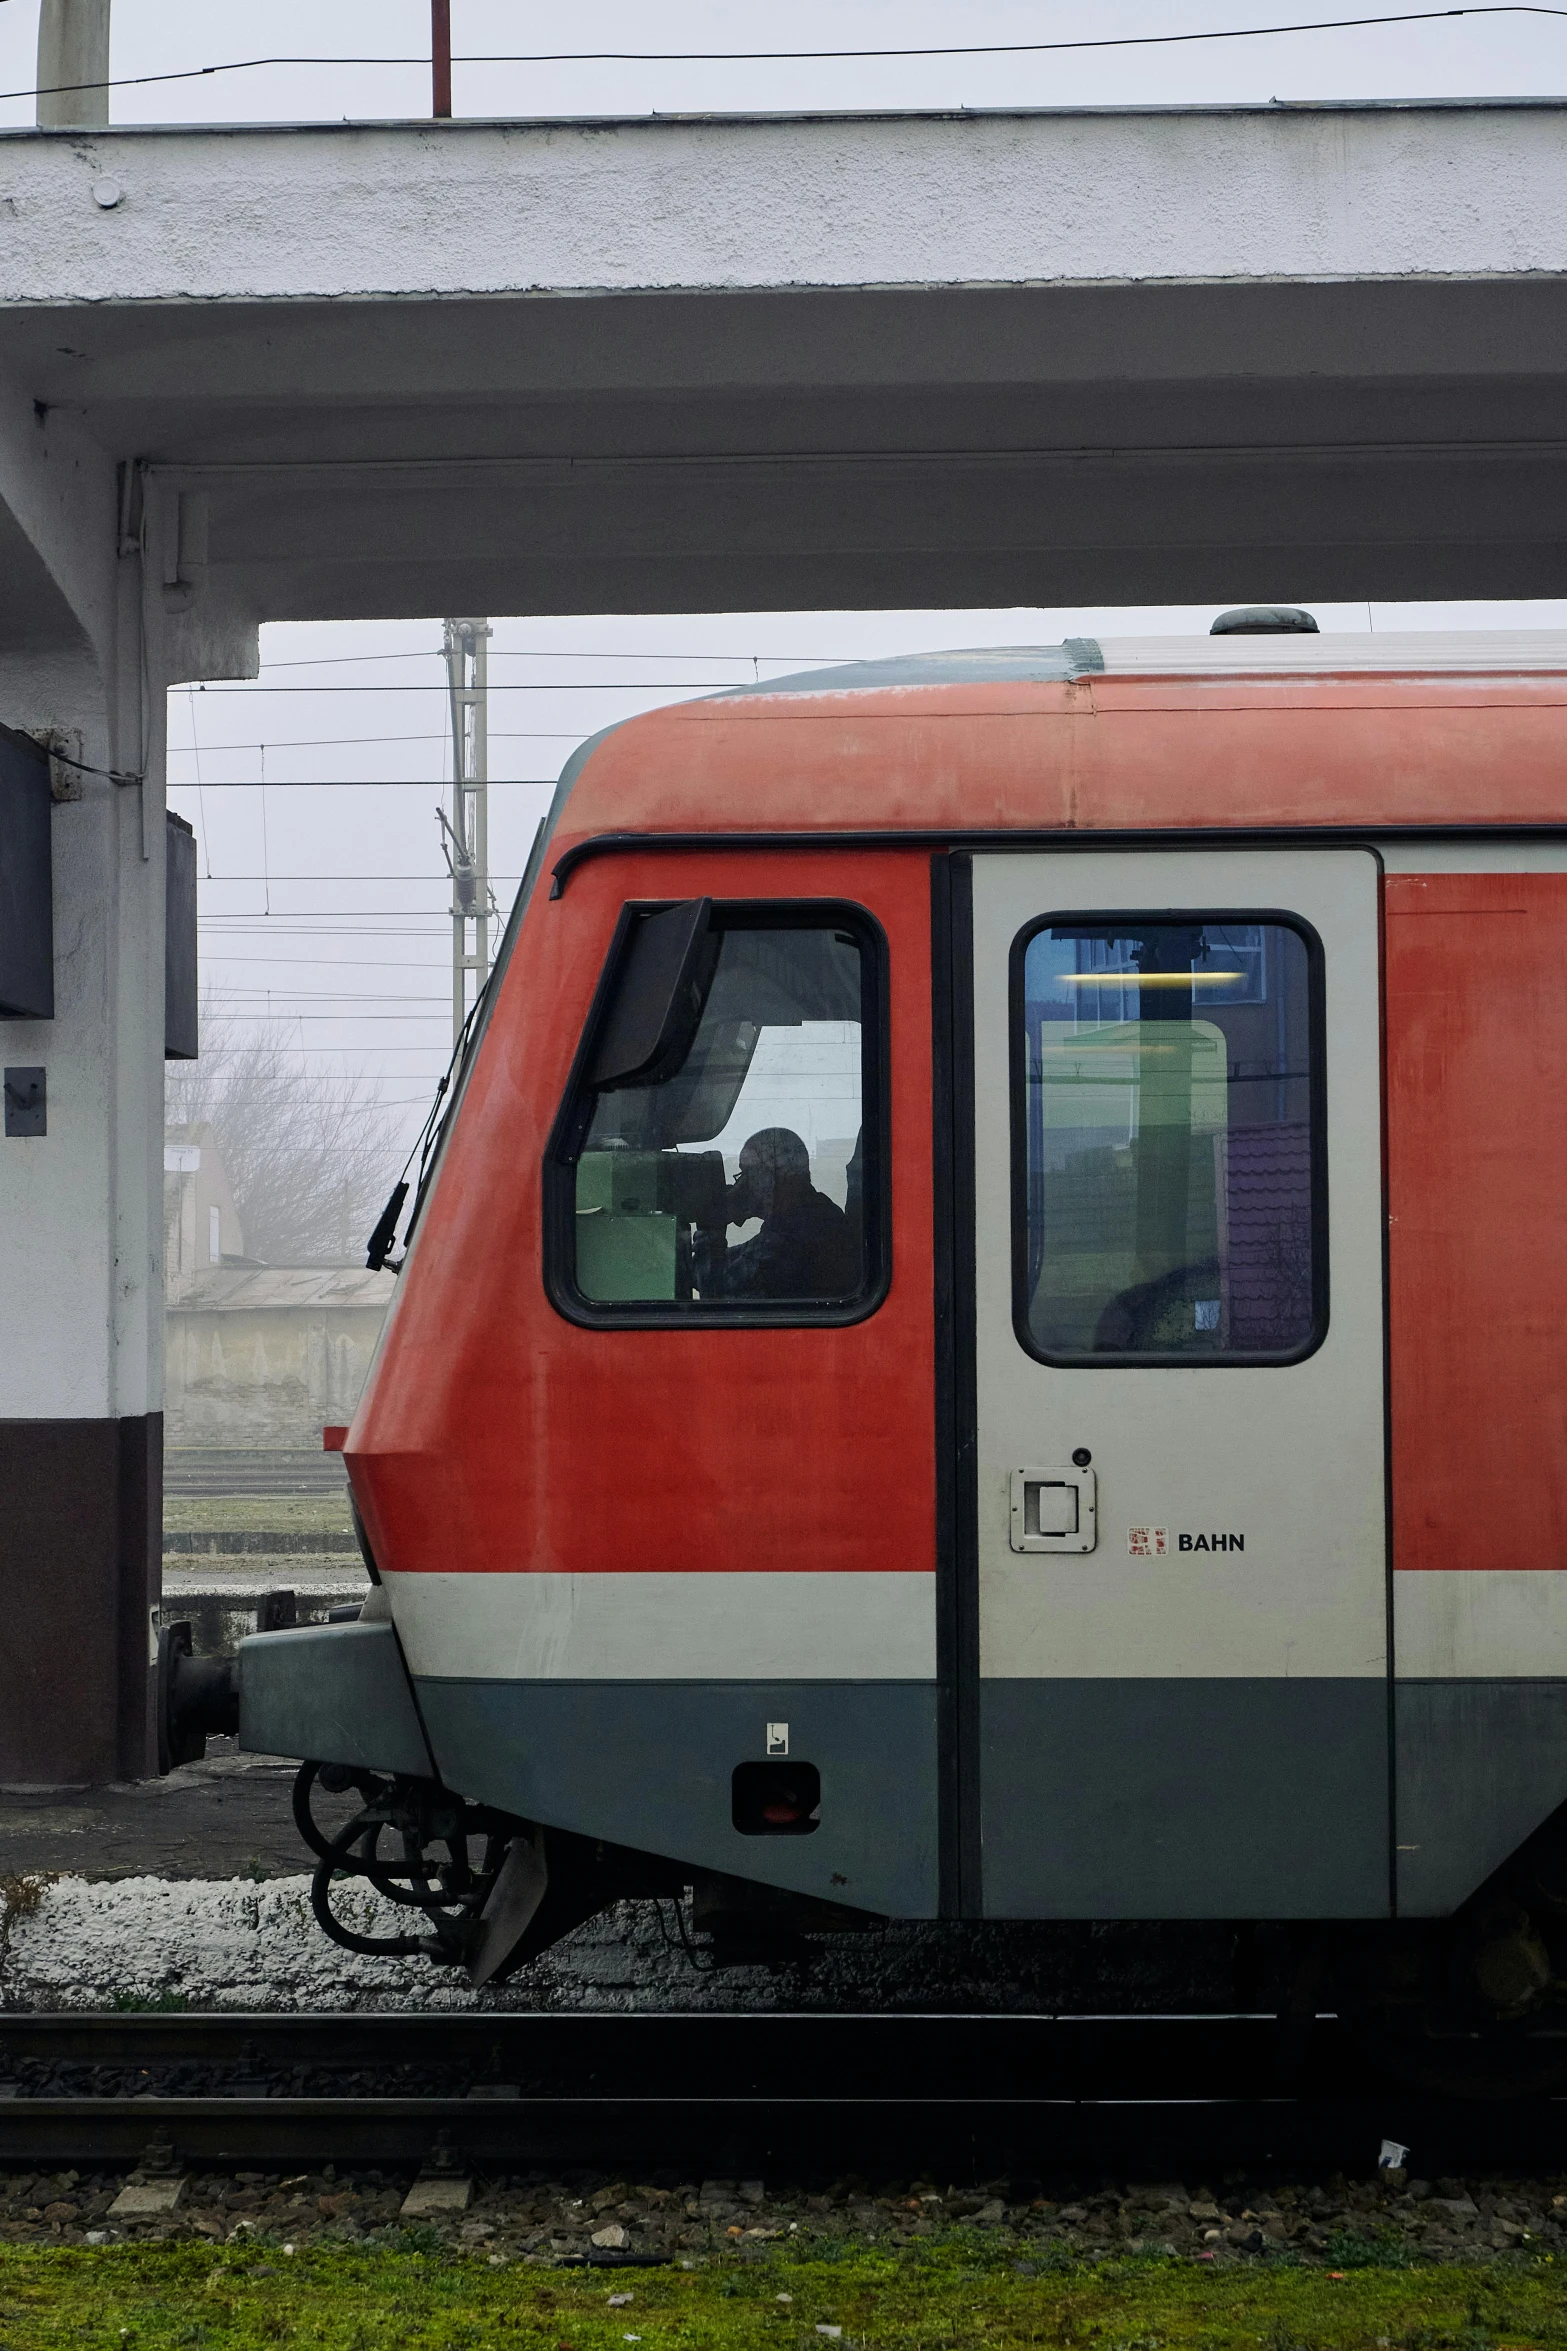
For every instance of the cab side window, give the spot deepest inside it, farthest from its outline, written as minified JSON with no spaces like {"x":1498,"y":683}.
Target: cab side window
{"x":721,"y":1156}
{"x":1170,"y":1141}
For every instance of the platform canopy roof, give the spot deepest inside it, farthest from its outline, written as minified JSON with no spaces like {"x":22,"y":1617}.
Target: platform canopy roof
{"x":790,"y":362}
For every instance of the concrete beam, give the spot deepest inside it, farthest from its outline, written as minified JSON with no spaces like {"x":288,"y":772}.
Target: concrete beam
{"x":1306,"y":194}
{"x":1226,"y":353}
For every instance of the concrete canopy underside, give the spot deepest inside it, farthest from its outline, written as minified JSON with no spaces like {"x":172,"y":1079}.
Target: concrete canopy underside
{"x":681,"y":365}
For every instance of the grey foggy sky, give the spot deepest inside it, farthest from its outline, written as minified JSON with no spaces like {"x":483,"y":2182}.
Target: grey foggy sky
{"x":355,"y":966}
{"x":1457,"y":57}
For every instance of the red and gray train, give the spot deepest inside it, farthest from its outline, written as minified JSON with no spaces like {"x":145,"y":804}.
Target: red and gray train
{"x":986,"y":1335}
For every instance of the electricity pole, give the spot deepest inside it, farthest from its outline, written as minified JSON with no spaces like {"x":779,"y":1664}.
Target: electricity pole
{"x":73,"y":64}
{"x":466,"y":838}
{"x":441,"y":59}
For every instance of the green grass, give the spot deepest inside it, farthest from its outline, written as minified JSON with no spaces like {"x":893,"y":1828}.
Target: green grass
{"x":273,"y":1514}
{"x":941,"y":2297}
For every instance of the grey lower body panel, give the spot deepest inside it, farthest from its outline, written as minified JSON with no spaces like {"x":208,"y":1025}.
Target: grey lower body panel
{"x":1480,"y":1765}
{"x":1184,"y":1798}
{"x":649,"y":1765}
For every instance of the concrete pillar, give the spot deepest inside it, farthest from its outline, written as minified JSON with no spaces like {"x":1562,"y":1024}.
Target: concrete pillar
{"x":81,"y":1445}
{"x":81,"y":1204}
{"x":73,"y":63}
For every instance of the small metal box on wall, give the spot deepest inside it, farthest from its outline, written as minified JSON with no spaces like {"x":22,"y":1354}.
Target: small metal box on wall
{"x":179,"y":944}
{"x":26,"y":887}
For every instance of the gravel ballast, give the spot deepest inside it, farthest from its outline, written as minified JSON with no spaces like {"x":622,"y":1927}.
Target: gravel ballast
{"x":609,"y":2221}
{"x":252,"y":1943}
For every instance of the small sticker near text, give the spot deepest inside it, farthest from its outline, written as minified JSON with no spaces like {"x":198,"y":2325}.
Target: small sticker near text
{"x":777,"y":1738}
{"x":1147,"y":1542}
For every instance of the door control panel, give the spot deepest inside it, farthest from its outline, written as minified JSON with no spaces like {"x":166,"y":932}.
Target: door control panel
{"x":1054,"y":1509}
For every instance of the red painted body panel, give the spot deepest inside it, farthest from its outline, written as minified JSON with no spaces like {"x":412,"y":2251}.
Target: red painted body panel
{"x":497,"y":1435}
{"x":1477,"y":1185}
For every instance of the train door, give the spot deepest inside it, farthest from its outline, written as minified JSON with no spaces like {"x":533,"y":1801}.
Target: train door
{"x":1177,"y":1654}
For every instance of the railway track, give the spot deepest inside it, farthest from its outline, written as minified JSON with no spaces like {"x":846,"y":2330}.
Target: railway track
{"x":757,"y":2092}
{"x":197,"y":1472}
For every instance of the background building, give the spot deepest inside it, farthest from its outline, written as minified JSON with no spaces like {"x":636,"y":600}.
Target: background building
{"x":256,"y":1356}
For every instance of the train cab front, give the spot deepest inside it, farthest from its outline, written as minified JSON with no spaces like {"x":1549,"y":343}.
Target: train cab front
{"x":886,"y":1409}
{"x":645,"y":1467}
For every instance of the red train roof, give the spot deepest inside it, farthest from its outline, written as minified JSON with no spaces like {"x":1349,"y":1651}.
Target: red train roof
{"x":1366,"y":732}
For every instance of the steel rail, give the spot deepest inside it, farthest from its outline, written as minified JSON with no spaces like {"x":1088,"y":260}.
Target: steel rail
{"x":812,"y":2134}
{"x":882,"y":2054}
{"x":748,"y":2092}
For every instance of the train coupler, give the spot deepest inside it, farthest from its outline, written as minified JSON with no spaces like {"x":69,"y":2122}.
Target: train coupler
{"x":197,"y":1699}
{"x":476,"y":1906}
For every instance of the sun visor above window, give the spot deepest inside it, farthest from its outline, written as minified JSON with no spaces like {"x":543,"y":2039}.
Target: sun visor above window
{"x":661,"y":978}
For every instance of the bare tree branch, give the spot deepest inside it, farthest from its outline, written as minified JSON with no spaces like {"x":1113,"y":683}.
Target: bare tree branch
{"x":309,"y":1168}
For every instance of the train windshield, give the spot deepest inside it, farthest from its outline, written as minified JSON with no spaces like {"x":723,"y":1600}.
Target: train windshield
{"x":734,"y":1178}
{"x":1172,"y":1141}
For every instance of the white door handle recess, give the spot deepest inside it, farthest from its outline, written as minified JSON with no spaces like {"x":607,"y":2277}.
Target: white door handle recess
{"x":1054,"y":1509}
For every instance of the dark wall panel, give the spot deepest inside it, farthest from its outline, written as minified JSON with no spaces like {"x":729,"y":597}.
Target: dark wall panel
{"x":179,"y":944}
{"x":80,"y":1566}
{"x":26,"y":886}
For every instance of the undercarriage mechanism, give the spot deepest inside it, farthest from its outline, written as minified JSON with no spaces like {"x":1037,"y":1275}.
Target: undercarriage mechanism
{"x":498,"y":1892}
{"x":1476,"y":2004}
{"x":501,"y":1890}
{"x":1473,"y":2005}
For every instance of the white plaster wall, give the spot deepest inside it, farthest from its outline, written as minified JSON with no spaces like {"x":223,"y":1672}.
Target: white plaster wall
{"x":81,"y":1206}
{"x":1394,"y":191}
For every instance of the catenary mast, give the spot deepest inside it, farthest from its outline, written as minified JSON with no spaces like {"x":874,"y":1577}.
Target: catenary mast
{"x":466,"y":834}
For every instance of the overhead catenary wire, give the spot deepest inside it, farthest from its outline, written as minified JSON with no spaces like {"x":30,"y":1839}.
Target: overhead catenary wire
{"x":422,"y":881}
{"x":330,"y":742}
{"x":517,"y":686}
{"x":293,"y":1019}
{"x":336,"y":962}
{"x":329,"y":923}
{"x":244,"y":994}
{"x":346,"y":784}
{"x":546,"y":653}
{"x":340,"y":742}
{"x":1102,"y":41}
{"x":272,"y":1047}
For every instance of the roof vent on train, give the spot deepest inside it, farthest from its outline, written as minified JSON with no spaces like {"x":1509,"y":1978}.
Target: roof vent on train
{"x":1264,"y":620}
{"x":980,"y":665}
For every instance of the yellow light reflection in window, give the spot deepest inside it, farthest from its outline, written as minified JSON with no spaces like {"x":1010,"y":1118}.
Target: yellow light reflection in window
{"x":1150,"y":979}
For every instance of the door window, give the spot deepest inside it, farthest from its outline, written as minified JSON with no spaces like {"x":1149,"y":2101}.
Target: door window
{"x":723,"y":1157}
{"x":1170,"y":1144}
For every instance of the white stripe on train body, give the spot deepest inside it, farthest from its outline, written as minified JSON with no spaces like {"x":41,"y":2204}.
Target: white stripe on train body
{"x":752,"y":1625}
{"x":1480,"y":1624}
